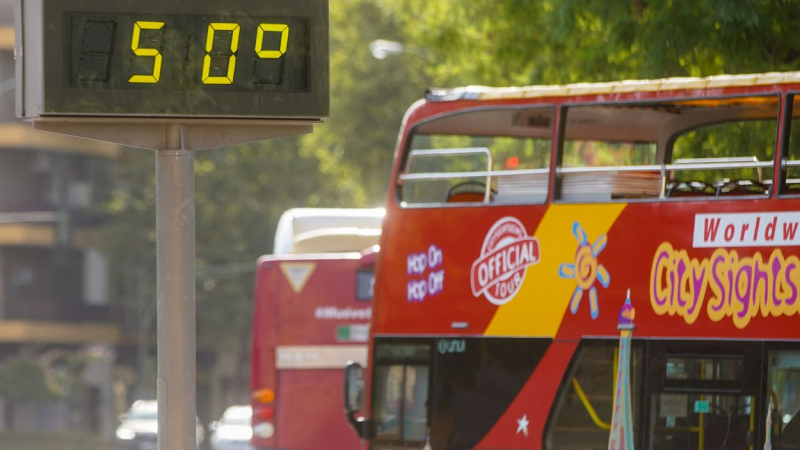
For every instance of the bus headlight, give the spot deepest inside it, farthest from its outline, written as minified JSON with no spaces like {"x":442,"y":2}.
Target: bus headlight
{"x":264,"y":430}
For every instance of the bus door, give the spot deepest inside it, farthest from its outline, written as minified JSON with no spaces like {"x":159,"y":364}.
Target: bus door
{"x":704,"y":395}
{"x":401,"y":380}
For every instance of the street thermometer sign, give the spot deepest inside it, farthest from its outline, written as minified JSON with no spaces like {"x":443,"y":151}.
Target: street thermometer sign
{"x":174,"y":76}
{"x":251,"y":59}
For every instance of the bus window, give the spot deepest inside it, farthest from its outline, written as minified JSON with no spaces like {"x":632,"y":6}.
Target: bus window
{"x":486,"y":156}
{"x":582,"y":416}
{"x":611,"y":153}
{"x":711,"y":148}
{"x":792,"y":157}
{"x":744,"y":142}
{"x":365,"y":284}
{"x":784,"y":390}
{"x":692,"y":371}
{"x":401,"y":391}
{"x":731,"y":155}
{"x":600,"y":154}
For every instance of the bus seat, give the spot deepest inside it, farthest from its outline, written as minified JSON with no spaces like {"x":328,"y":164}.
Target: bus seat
{"x":691,"y":188}
{"x":467,"y":192}
{"x":741,"y":188}
{"x":465,"y":197}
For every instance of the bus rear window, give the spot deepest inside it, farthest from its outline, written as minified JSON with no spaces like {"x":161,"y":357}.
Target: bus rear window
{"x":365,"y":284}
{"x":487,"y":156}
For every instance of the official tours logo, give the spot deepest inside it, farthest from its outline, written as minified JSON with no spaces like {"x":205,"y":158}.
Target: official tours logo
{"x":506,"y":254}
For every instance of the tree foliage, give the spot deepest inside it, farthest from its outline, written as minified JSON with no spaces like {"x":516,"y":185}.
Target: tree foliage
{"x":31,"y":376}
{"x":560,"y":41}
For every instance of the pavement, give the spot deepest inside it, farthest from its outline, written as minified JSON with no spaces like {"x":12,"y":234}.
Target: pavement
{"x":61,"y":441}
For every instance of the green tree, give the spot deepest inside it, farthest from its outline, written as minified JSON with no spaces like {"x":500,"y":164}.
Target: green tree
{"x":562,"y":41}
{"x":368,"y":96}
{"x":33,"y":376}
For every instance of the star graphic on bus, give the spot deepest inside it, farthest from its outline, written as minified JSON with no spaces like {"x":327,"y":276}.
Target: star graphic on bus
{"x":522,"y":425}
{"x":586,"y":270}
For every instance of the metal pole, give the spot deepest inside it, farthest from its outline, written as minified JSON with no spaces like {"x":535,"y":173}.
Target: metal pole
{"x":176,"y":296}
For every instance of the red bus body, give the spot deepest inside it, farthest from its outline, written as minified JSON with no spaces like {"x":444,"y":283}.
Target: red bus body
{"x":309,"y":319}
{"x":466,"y":291}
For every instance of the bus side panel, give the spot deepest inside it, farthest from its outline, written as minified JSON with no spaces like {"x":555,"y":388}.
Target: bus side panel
{"x":264,"y":339}
{"x":652,"y":245}
{"x":321,"y":326}
{"x":311,"y":416}
{"x":314,"y":314}
{"x":425,"y":285}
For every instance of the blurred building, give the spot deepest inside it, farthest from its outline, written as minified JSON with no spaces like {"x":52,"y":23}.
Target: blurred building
{"x":55,"y":303}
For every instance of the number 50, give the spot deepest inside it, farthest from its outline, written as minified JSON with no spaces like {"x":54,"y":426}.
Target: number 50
{"x":229,"y":27}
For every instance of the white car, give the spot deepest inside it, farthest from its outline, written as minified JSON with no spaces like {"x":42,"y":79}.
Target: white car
{"x":138,"y":428}
{"x":233,"y":430}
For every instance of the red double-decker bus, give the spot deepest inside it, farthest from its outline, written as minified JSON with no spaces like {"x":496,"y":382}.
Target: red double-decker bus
{"x":311,"y":315}
{"x":518,"y":219}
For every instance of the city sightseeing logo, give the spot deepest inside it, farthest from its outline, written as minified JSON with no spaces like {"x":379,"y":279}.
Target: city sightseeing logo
{"x":506,"y":254}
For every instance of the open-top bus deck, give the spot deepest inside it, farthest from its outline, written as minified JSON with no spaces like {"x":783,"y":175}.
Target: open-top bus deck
{"x":518,"y":219}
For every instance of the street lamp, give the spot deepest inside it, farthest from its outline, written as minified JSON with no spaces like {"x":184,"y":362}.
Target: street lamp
{"x":381,"y":48}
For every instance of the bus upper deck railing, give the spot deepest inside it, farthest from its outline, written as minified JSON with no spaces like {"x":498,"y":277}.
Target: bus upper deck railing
{"x":453,"y":152}
{"x":660,"y":172}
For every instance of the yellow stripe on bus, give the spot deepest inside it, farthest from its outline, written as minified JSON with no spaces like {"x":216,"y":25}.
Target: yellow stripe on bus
{"x":543,"y":299}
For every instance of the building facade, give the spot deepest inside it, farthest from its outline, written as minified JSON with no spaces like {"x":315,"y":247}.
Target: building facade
{"x":56,"y":308}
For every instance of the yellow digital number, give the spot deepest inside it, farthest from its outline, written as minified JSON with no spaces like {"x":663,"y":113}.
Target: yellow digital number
{"x":137,"y":32}
{"x":212,"y":28}
{"x":281,"y":28}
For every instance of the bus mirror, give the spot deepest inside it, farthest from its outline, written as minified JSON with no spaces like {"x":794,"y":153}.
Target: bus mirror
{"x":353,"y":387}
{"x":354,"y":398}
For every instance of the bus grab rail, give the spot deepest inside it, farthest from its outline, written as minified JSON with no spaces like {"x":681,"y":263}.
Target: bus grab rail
{"x":749,"y":162}
{"x":588,"y":406}
{"x":451,"y":152}
{"x":685,"y":165}
{"x":667,"y":167}
{"x":477,"y":174}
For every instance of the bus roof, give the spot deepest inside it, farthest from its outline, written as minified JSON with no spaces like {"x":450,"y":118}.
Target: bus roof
{"x":328,"y":230}
{"x":614,"y":87}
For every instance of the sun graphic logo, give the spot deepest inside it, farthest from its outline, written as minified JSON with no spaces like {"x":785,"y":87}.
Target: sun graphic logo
{"x":506,"y":254}
{"x":586,"y":270}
